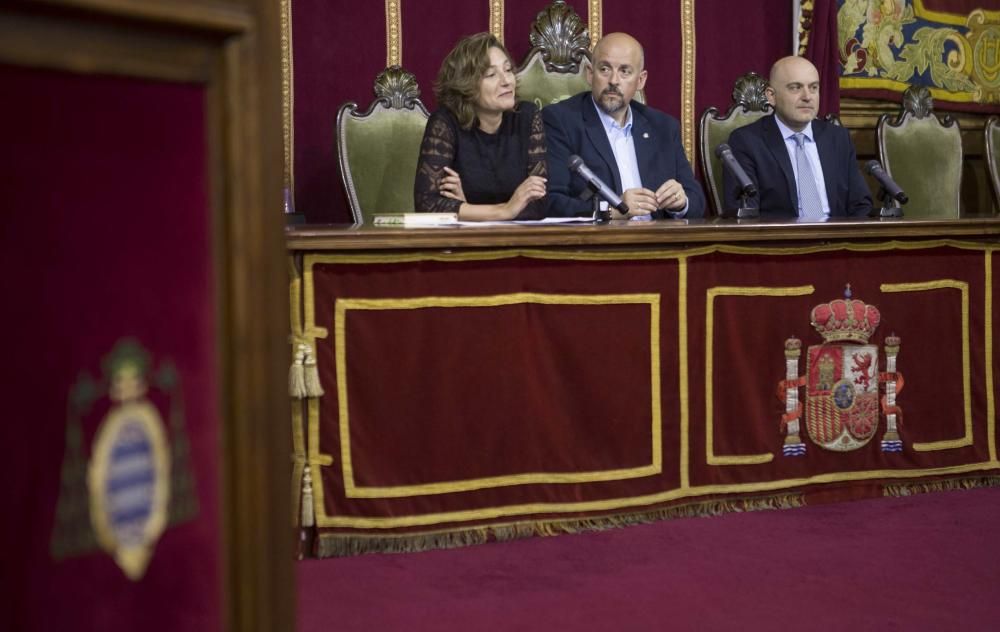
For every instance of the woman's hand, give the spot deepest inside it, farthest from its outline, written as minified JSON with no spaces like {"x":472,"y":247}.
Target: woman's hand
{"x":451,"y":185}
{"x":533,"y":188}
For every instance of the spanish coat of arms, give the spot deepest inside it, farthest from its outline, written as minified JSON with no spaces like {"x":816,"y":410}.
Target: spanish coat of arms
{"x":844,"y":388}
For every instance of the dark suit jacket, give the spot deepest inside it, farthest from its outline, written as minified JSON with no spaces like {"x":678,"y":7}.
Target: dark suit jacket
{"x":574,"y":127}
{"x":760,"y":150}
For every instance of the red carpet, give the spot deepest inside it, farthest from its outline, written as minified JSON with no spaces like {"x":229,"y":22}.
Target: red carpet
{"x":926,"y":562}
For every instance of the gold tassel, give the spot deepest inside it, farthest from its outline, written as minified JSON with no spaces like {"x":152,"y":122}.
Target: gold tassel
{"x":312,"y":385}
{"x":296,"y":379}
{"x":308,"y":516}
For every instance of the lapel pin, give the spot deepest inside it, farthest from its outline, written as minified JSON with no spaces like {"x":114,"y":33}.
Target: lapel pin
{"x":645,"y":134}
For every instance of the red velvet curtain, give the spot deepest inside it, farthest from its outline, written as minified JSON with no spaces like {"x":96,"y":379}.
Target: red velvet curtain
{"x":823,"y":51}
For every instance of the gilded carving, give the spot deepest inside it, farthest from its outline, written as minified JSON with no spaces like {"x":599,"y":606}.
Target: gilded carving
{"x":397,"y":87}
{"x":749,"y":92}
{"x":917,"y":101}
{"x":560,"y":36}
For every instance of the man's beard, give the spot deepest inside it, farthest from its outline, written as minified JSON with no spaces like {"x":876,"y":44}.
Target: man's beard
{"x":609,"y":104}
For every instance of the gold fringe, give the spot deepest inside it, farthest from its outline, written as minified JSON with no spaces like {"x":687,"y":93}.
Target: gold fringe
{"x":296,"y":375}
{"x":348,"y":544}
{"x":312,"y":385}
{"x":950,"y":484}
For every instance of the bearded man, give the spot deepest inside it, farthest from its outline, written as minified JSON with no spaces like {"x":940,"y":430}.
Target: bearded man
{"x":636,"y":150}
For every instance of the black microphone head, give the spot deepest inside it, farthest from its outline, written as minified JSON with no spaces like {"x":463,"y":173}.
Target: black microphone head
{"x":721,"y":149}
{"x":575,"y":162}
{"x":871,"y":166}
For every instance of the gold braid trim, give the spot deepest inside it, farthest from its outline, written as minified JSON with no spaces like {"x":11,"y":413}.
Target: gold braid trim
{"x":393,"y":34}
{"x":497,"y":19}
{"x":342,"y":545}
{"x":991,"y":407}
{"x":688,"y":123}
{"x":595,"y":19}
{"x":948,"y":484}
{"x":287,"y":97}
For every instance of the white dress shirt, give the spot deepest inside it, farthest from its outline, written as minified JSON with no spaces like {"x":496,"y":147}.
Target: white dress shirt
{"x":812,"y":155}
{"x":623,"y":147}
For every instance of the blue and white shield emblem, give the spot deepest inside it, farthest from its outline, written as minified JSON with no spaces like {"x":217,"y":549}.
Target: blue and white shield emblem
{"x":129,"y":483}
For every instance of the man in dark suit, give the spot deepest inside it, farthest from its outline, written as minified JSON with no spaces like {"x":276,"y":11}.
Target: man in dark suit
{"x":634,"y":149}
{"x":803,"y":167}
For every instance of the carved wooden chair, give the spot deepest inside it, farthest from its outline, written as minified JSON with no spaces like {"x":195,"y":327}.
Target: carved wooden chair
{"x":560,"y":52}
{"x":378,"y":149}
{"x":555,"y":67}
{"x":749,"y":104}
{"x":993,"y":154}
{"x":923,"y":154}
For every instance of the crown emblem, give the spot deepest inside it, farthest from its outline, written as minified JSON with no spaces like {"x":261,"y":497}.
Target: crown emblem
{"x":845,"y":319}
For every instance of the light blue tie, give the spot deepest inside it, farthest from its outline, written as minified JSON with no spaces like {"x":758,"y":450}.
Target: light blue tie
{"x":810,"y":204}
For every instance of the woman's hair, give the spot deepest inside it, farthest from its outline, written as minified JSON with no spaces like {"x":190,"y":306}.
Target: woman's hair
{"x":457,"y":83}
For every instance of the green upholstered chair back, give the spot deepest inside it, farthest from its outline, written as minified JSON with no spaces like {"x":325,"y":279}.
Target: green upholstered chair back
{"x":749,"y":104}
{"x":555,"y":67}
{"x":378,"y":149}
{"x":923,"y":155}
{"x":993,"y":154}
{"x":543,"y":87}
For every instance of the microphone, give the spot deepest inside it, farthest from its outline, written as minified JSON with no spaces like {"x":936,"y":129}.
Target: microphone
{"x":576,"y":164}
{"x":725,"y":154}
{"x":876,"y":171}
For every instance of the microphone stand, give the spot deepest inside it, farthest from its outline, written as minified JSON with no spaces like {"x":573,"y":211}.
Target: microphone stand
{"x":745,"y":211}
{"x":601,"y":216}
{"x":888,"y":209}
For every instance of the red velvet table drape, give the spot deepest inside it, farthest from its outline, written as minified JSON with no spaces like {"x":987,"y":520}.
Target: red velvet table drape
{"x":477,"y":395}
